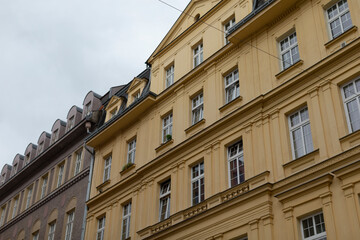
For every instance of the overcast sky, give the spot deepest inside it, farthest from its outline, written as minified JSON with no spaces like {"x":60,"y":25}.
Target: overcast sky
{"x":53,"y":52}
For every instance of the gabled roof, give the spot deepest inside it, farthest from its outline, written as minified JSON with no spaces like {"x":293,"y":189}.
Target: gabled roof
{"x":182,"y":23}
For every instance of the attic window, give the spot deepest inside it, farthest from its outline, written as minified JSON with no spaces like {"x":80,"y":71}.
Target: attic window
{"x":71,"y":123}
{"x":40,"y":148}
{"x":87,"y":109}
{"x":197,"y":17}
{"x":27,"y":158}
{"x":136,"y":96}
{"x":113,"y":112}
{"x":55,"y":136}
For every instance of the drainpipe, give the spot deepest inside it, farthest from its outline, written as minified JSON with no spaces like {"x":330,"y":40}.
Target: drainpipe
{"x":92,"y":159}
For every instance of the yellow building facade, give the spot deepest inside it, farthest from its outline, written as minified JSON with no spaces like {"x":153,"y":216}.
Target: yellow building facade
{"x":246,"y":127}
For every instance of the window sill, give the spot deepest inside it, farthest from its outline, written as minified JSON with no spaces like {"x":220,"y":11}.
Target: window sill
{"x":99,"y":188}
{"x":285,"y":71}
{"x":350,"y":140}
{"x":195,"y":126}
{"x":300,"y":163}
{"x":338,"y":38}
{"x":164,"y":145}
{"x":128,"y":169}
{"x":231,"y":103}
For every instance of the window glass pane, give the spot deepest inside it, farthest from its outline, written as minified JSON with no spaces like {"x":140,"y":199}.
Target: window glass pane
{"x":354,"y":115}
{"x":308,"y":138}
{"x":349,"y":90}
{"x":346,"y":21}
{"x":298,"y":144}
{"x":335,"y":28}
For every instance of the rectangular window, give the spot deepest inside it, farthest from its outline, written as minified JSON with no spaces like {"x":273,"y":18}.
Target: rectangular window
{"x":107,"y":168}
{"x":197,"y":183}
{"x":236,"y":164}
{"x":165,"y":193}
{"x":27,"y":158}
{"x":227,"y":26}
{"x":289,"y":51}
{"x":232,"y":89}
{"x":77,"y":166}
{"x":40,"y":147}
{"x":15,"y":207}
{"x":313,"y":227}
{"x":197,"y":112}
{"x":167,"y":123}
{"x":35,"y":236}
{"x":43,"y":187}
{"x":60,"y":175}
{"x":14,"y":169}
{"x":2,"y":216}
{"x":3,"y":177}
{"x":113,"y":112}
{"x":69,"y":225}
{"x":351,"y":98}
{"x":51,"y":235}
{"x":54,"y":136}
{"x":87,"y":109}
{"x":169,"y":76}
{"x":131,"y":151}
{"x":71,"y":123}
{"x":338,"y":16}
{"x":136,"y":96}
{"x":126,"y":221}
{"x":198,"y":54}
{"x":28,"y":198}
{"x":300,"y":133}
{"x":100,"y":229}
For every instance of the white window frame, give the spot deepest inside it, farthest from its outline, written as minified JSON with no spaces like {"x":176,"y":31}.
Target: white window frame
{"x":198,"y":56}
{"x":233,"y":84}
{"x":107,"y":168}
{"x":71,"y":123}
{"x":14,"y":169}
{"x":165,"y":197}
{"x":290,"y":49}
{"x":136,"y":96}
{"x":43,"y":187}
{"x":229,"y":24}
{"x":238,"y":158}
{"x":125,"y":224}
{"x":69,"y":225}
{"x":354,"y":96}
{"x":60,"y":175}
{"x":40,"y":147}
{"x":131,"y":151}
{"x":27,"y":158}
{"x":35,"y":236}
{"x":101,"y":228}
{"x":197,"y":108}
{"x":337,"y":17}
{"x":300,"y":125}
{"x":321,"y":235}
{"x":78,"y":160}
{"x":52,"y":228}
{"x":54,"y":136}
{"x":169,"y":78}
{"x":15,"y":207}
{"x":197,"y":179}
{"x":167,"y":124}
{"x":87,"y":109}
{"x":28,"y":197}
{"x":2,"y":217}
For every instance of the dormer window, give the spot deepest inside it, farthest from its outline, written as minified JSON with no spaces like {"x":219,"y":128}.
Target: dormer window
{"x":87,"y":109}
{"x":15,"y":167}
{"x":55,"y":136}
{"x":136,"y":96}
{"x":113,"y":112}
{"x":27,"y":158}
{"x":40,"y":147}
{"x":71,"y":123}
{"x":3,"y":178}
